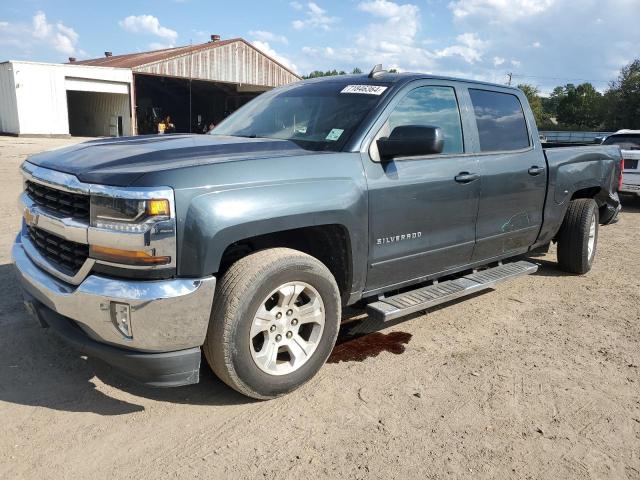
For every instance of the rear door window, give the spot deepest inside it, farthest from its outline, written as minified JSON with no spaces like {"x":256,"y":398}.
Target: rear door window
{"x":500,"y":119}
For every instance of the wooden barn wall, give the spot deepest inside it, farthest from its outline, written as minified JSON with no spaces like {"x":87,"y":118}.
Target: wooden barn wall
{"x":235,"y":63}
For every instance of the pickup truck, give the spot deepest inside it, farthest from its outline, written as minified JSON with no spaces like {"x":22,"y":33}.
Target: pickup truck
{"x":390,"y":192}
{"x":629,"y":143}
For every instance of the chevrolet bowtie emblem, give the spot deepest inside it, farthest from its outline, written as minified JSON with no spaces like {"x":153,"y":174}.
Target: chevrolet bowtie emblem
{"x":30,"y":218}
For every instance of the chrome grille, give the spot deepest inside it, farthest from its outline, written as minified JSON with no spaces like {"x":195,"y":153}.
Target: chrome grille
{"x":65,"y":255}
{"x":74,"y":205}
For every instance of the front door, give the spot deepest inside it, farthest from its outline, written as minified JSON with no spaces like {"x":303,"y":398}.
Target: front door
{"x":421,"y":219}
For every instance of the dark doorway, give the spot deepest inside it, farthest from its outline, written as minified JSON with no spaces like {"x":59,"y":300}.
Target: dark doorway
{"x":94,"y":114}
{"x":191,"y":104}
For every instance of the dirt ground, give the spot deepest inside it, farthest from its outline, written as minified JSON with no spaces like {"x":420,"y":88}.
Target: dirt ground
{"x":539,"y":378}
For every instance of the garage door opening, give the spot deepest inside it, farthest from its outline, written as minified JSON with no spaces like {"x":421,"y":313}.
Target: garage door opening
{"x":98,"y":114}
{"x":191,"y":104}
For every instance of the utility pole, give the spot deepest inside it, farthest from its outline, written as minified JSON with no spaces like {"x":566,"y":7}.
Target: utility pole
{"x":510,"y":75}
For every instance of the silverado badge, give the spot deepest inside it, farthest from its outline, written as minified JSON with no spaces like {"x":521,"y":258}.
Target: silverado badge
{"x":398,"y":238}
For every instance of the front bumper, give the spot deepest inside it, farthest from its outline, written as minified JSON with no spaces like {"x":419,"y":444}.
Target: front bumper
{"x":166,"y":369}
{"x":166,"y":315}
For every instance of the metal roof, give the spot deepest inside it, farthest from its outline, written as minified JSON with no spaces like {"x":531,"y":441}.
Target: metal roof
{"x":137,"y":60}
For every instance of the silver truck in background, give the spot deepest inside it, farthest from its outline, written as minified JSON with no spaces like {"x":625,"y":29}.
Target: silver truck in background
{"x":629,"y":142}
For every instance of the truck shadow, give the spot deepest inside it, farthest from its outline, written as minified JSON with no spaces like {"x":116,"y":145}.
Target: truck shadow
{"x":37,"y":369}
{"x":630,"y":203}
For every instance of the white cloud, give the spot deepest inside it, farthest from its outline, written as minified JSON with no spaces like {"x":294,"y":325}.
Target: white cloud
{"x":148,"y":24}
{"x":61,"y":37}
{"x":395,"y":33}
{"x":497,"y":61}
{"x":498,"y":10}
{"x":469,"y":47}
{"x":296,"y":5}
{"x":160,"y":45}
{"x":41,"y":28}
{"x":266,"y":48}
{"x":552,"y":38}
{"x":315,"y":17}
{"x":391,"y":39}
{"x":265,"y":36}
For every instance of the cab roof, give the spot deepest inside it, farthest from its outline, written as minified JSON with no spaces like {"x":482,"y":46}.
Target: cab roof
{"x":399,"y":79}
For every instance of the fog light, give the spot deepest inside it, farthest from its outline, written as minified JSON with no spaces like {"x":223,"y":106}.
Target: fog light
{"x":121,"y":318}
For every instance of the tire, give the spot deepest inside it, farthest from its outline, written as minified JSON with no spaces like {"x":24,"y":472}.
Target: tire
{"x":579,"y":229}
{"x":270,"y":284}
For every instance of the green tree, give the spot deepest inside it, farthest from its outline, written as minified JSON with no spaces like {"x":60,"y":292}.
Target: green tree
{"x":550,"y":103}
{"x":622,"y":99}
{"x":356,"y":71}
{"x":581,"y":107}
{"x":533,"y":96}
{"x":328,"y":73}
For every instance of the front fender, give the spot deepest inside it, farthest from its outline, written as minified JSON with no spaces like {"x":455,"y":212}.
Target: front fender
{"x":215,"y":218}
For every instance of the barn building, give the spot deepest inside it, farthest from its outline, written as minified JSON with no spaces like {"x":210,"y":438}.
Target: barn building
{"x":128,"y":94}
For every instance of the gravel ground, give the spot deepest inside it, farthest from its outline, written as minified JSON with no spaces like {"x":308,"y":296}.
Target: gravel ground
{"x":537,"y":379}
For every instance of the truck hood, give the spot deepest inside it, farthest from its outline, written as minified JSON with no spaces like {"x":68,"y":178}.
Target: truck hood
{"x":120,"y":161}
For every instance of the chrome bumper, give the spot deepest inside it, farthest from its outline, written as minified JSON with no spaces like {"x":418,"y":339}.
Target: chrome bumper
{"x":166,"y":315}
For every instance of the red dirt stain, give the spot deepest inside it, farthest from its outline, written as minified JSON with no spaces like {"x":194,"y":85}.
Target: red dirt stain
{"x":357,"y":349}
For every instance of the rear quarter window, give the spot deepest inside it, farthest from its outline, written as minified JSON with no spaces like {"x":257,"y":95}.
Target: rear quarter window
{"x":500,"y":119}
{"x":626,"y":141}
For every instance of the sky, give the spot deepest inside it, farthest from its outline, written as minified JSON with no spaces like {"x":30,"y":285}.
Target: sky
{"x":541,"y":42}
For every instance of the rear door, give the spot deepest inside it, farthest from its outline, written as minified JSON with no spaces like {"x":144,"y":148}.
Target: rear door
{"x":421,"y":220}
{"x":513,"y":170}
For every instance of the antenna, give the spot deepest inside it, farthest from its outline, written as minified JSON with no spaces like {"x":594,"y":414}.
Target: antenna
{"x":510,"y":75}
{"x":377,"y":70}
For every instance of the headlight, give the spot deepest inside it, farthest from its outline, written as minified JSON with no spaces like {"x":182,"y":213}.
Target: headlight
{"x":127,"y":215}
{"x":133,"y":227}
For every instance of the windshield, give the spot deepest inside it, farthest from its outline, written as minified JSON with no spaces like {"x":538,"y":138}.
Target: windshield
{"x":626,"y":142}
{"x":316,"y":116}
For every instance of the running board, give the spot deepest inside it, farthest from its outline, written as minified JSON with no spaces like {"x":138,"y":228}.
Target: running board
{"x":423,"y":298}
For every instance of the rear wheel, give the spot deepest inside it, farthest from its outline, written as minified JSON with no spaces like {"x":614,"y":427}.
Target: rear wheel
{"x":578,"y":236}
{"x":274,"y":322}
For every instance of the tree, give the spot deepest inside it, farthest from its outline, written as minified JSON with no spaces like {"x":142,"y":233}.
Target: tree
{"x":356,"y":71}
{"x":581,"y":107}
{"x":328,"y":73}
{"x":622,"y":99}
{"x":533,"y":97}
{"x":550,"y":103}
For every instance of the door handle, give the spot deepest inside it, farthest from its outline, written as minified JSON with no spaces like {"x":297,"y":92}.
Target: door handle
{"x":536,"y":170}
{"x":466,"y":177}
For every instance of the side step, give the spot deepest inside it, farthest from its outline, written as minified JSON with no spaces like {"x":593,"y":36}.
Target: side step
{"x":426,"y":297}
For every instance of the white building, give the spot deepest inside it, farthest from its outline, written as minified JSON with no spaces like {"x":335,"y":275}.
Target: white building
{"x":58,"y":100}
{"x":127,"y":94}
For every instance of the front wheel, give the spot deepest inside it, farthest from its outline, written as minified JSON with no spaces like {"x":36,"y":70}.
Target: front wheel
{"x":578,"y":236}
{"x":274,"y":322}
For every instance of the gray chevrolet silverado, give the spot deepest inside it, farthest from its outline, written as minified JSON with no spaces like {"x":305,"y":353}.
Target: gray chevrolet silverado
{"x":395,"y":192}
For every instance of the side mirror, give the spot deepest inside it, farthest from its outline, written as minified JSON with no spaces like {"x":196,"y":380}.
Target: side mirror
{"x":410,"y":141}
